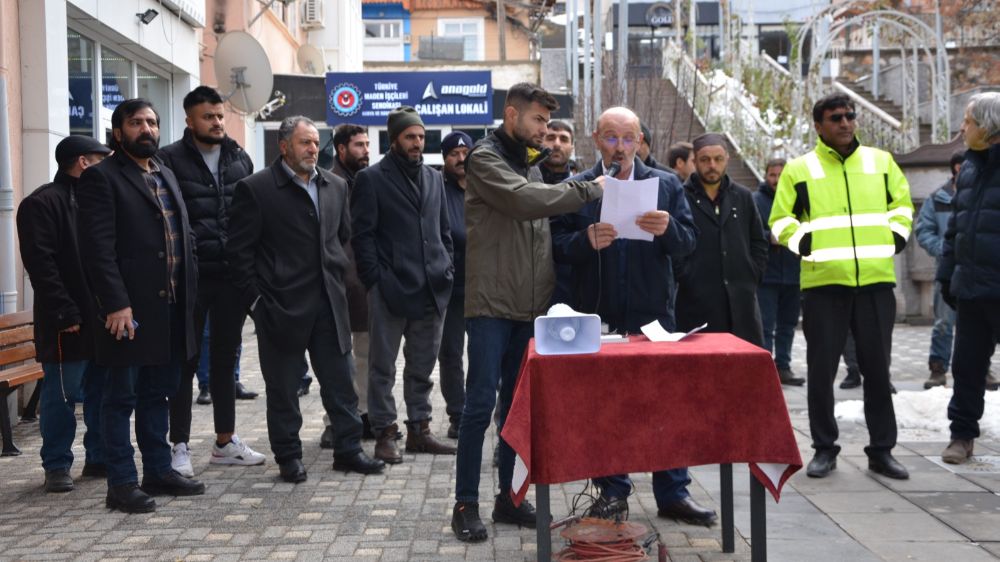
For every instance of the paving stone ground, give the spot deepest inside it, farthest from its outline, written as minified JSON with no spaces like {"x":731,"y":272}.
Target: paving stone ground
{"x":249,"y":514}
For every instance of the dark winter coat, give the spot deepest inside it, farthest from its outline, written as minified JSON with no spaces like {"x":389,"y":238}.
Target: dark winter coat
{"x":207,"y":203}
{"x":783,"y":266}
{"x":632,"y":283}
{"x":454,"y":198}
{"x":718,"y":282}
{"x":970,"y":259}
{"x":288,"y":261}
{"x":124,"y":253}
{"x":357,"y":295}
{"x":46,"y":229}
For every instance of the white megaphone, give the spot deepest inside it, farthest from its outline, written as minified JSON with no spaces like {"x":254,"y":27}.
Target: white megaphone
{"x":564,"y":331}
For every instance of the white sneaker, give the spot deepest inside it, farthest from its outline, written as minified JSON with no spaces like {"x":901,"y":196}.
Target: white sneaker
{"x":236,"y":452}
{"x":180,"y":460}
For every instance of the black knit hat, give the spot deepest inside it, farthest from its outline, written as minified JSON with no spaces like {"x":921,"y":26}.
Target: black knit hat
{"x":647,"y":137}
{"x":454,"y":140}
{"x":400,"y":119}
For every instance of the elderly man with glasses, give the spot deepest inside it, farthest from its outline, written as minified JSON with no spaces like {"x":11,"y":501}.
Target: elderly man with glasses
{"x":845,"y":208}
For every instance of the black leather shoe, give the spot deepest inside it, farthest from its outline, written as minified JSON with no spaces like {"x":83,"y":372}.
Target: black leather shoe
{"x":360,"y":462}
{"x":605,"y":507}
{"x":172,"y":483}
{"x":788,"y":378}
{"x":243,"y":394}
{"x":292,"y":471}
{"x":504,"y":511}
{"x":466,"y":524}
{"x":204,"y":396}
{"x":852,"y":380}
{"x":326,"y":440}
{"x":688,"y":511}
{"x":58,"y":481}
{"x":128,"y":498}
{"x":883,"y":463}
{"x":822,"y":463}
{"x":95,"y":470}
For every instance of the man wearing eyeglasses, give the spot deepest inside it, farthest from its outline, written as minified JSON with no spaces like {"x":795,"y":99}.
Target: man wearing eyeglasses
{"x":846,"y":209}
{"x":630,"y":283}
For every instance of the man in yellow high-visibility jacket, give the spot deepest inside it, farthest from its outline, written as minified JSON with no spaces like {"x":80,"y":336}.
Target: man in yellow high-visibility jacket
{"x":845,"y":208}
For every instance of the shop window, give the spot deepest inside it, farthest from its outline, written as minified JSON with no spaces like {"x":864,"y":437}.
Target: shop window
{"x":80,"y":56}
{"x":156,"y":89}
{"x":116,"y":78}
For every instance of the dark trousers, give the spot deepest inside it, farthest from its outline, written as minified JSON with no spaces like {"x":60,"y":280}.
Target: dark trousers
{"x":220,"y":300}
{"x":827,"y":317}
{"x":779,"y":313}
{"x":669,"y":486}
{"x":450,"y":358}
{"x":281,"y":368}
{"x":976,"y":332}
{"x":496,"y":348}
{"x":64,"y":385}
{"x":143,"y":390}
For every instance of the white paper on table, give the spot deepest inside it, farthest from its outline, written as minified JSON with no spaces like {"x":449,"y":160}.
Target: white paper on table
{"x":623,"y":203}
{"x":655,"y":332}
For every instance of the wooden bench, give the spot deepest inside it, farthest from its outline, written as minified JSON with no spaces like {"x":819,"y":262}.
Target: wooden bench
{"x":17,"y":367}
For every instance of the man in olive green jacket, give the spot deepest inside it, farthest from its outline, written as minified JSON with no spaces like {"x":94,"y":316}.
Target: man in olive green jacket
{"x":509,"y":280}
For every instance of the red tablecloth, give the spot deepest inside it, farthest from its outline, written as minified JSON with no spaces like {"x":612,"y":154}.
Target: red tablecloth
{"x":643,"y":406}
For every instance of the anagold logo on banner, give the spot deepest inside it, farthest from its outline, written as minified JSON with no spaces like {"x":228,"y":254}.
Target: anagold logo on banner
{"x":345,"y":99}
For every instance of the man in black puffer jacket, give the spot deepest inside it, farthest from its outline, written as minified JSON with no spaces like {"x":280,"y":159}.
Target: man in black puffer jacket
{"x":208,"y":164}
{"x":969,"y":271}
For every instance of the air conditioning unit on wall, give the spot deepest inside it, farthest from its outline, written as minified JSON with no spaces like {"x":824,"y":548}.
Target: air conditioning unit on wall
{"x":312,"y":14}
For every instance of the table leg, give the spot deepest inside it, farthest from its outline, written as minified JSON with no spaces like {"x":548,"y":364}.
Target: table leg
{"x":543,"y":517}
{"x":726,"y":487}
{"x":758,"y":521}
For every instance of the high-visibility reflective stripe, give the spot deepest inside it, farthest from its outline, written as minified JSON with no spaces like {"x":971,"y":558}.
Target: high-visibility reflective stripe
{"x":815,"y":166}
{"x":781,"y":224}
{"x":900,"y":230}
{"x":844,"y":221}
{"x":793,"y":242}
{"x":901,"y":212}
{"x":849,"y":253}
{"x":867,"y":160}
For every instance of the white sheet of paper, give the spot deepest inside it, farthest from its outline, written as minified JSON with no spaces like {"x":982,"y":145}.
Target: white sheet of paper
{"x":624,"y":201}
{"x":655,"y":332}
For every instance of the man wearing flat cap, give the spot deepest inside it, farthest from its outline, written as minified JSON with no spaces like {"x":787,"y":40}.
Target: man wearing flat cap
{"x":718,"y":282}
{"x":455,"y":148}
{"x":402,"y":244}
{"x":64,"y":315}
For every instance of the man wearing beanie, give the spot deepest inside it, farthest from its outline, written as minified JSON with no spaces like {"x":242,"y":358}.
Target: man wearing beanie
{"x":509,"y":283}
{"x":455,"y":148}
{"x":402,"y":245}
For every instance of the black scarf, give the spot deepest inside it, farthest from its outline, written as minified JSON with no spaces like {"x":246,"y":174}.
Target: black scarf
{"x":411,"y":170}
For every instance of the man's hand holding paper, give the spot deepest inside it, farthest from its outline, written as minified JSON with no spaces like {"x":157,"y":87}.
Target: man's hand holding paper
{"x":654,"y":222}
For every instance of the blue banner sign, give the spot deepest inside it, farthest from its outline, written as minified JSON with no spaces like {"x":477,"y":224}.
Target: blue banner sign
{"x":441,"y":98}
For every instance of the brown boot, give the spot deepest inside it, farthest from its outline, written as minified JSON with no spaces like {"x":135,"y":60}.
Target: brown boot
{"x":937,"y":377}
{"x":419,"y":439}
{"x":385,"y":446}
{"x":958,"y":451}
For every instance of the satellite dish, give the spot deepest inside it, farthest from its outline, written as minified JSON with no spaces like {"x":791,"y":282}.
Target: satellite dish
{"x":243,"y":71}
{"x":310,"y":60}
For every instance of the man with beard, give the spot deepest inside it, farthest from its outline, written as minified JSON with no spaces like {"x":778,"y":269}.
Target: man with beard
{"x":350,"y":147}
{"x":845,"y":209}
{"x":138,"y":253}
{"x":403,"y":249}
{"x":718,"y":282}
{"x":208,"y":164}
{"x":287,"y":231}
{"x":455,"y":148}
{"x":559,"y":140}
{"x":510,"y":278}
{"x":681,"y":159}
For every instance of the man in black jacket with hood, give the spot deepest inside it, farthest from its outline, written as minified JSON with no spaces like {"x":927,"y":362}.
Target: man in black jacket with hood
{"x":64,"y":315}
{"x":208,"y":164}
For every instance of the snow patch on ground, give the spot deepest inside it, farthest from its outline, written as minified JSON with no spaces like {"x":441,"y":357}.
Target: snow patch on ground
{"x":926,"y":410}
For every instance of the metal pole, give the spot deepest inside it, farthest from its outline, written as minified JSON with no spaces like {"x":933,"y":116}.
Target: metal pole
{"x":726,"y":494}
{"x":588,"y":63}
{"x":502,"y":26}
{"x":678,"y":36}
{"x":691,"y":34}
{"x":623,"y":49}
{"x":758,"y":521}
{"x":574,"y":32}
{"x":598,"y":56}
{"x":543,"y":523}
{"x":8,"y":271}
{"x":875,"y":61}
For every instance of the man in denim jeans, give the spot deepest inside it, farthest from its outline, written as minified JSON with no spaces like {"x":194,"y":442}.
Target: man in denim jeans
{"x":509,"y":281}
{"x":64,"y":315}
